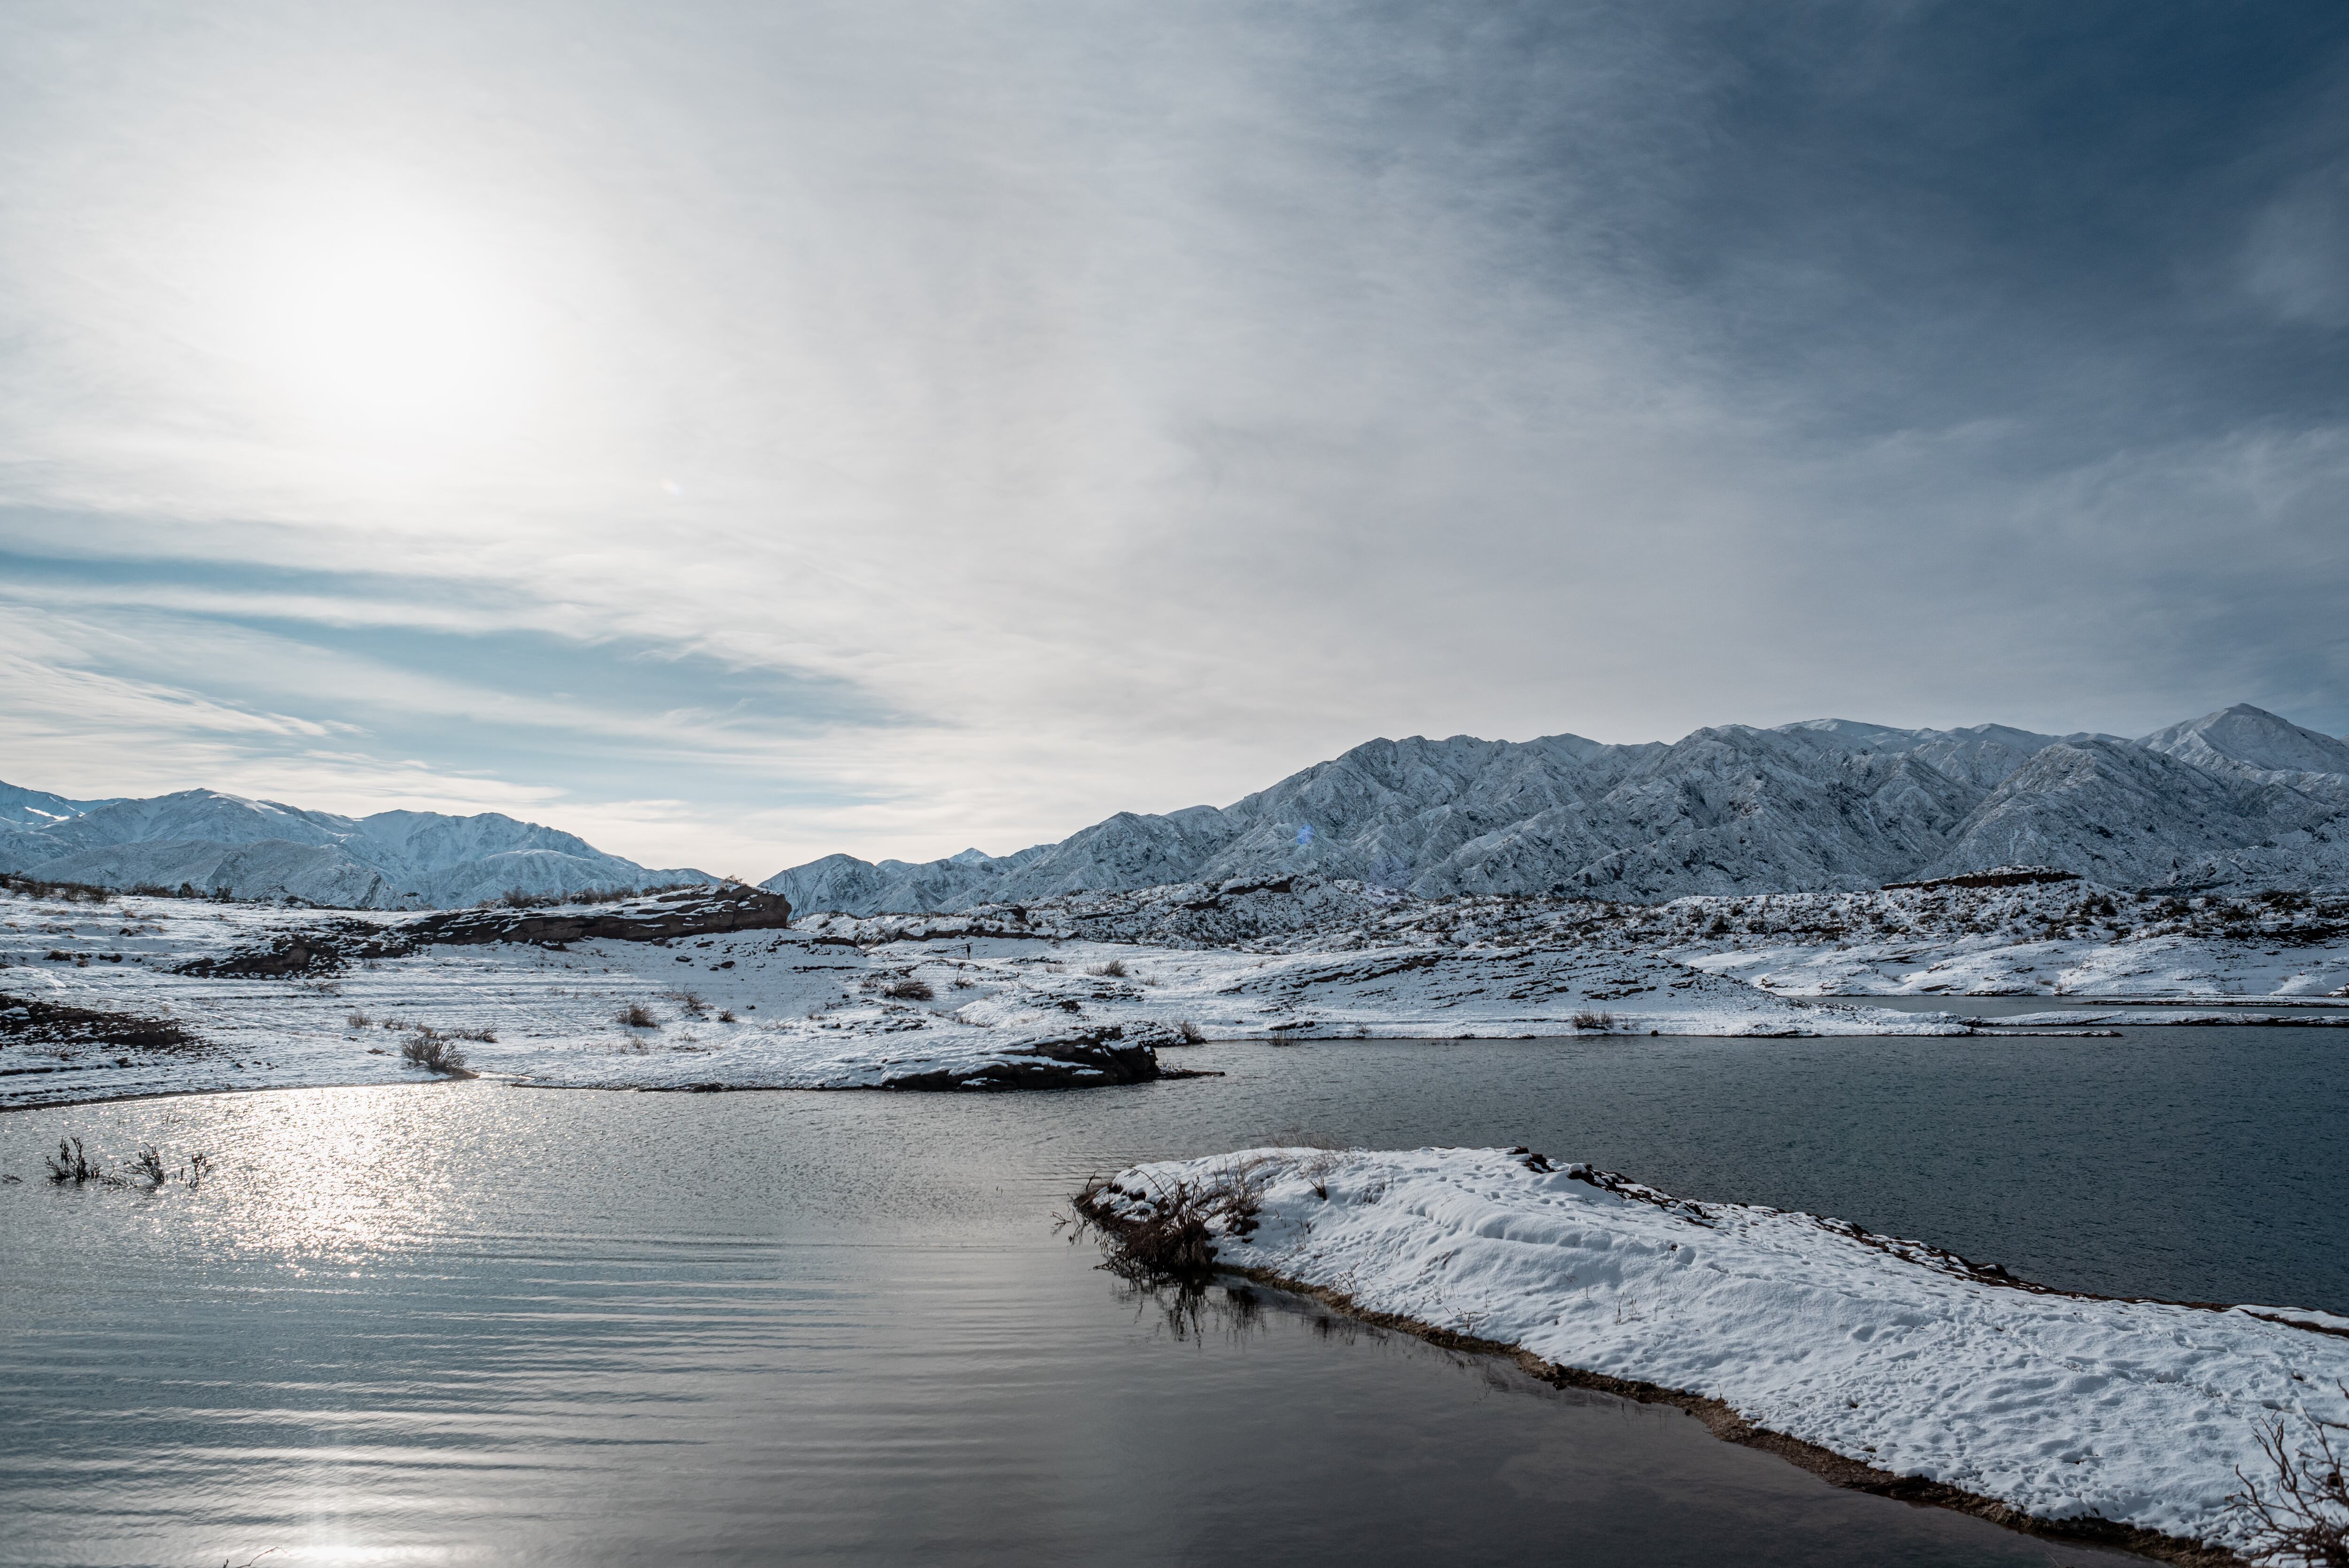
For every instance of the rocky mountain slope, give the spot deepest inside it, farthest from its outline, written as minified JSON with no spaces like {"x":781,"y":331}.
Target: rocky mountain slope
{"x":2237,"y":799}
{"x":261,"y":849}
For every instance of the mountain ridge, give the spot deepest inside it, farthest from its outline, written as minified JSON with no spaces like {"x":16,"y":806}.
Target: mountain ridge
{"x":2238,"y":796}
{"x":265,"y":849}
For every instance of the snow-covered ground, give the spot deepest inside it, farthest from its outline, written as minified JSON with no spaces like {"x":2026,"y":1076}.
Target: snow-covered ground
{"x":809,"y":1007}
{"x":744,"y":1009}
{"x":2058,"y":938}
{"x":2153,"y":967}
{"x":1886,"y":1352}
{"x":2055,"y":939}
{"x":1086,"y":988}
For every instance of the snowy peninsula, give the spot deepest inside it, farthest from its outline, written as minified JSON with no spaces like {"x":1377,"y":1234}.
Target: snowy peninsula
{"x":1936,"y":1377}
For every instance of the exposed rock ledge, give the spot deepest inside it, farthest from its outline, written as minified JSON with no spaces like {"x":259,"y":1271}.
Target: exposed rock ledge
{"x":689,"y":912}
{"x":1089,"y":1059}
{"x":327,"y":945}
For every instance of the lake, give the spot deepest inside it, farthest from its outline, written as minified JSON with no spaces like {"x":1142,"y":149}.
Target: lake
{"x":465,"y":1323}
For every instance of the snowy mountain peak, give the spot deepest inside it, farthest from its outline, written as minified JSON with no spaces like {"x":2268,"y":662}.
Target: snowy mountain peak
{"x":2245,"y":737}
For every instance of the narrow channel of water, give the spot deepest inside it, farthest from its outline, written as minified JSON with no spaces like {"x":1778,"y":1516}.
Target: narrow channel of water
{"x":471,"y":1324}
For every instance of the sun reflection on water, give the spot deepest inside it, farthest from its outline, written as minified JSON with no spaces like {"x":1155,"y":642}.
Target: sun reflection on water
{"x":325,"y":1180}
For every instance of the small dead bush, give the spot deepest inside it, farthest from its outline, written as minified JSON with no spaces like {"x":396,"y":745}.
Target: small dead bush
{"x":1112,"y":970}
{"x":908,"y":990}
{"x":1167,"y":1234}
{"x":2298,"y":1510}
{"x":149,"y":1171}
{"x":430,"y":1049}
{"x":1590,"y":1023}
{"x":1191,"y":1034}
{"x":72,"y":1164}
{"x":691,"y":1004}
{"x":636,"y":1016}
{"x":726,"y":1015}
{"x":359,"y":1020}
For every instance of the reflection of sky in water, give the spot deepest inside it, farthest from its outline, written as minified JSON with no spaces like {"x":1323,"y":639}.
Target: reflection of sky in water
{"x":468,"y":1323}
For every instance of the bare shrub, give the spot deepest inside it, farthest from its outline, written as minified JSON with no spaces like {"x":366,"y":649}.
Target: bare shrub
{"x":147,"y":1169}
{"x":726,"y":1015}
{"x":691,"y":1004}
{"x":636,"y":1016}
{"x":1191,"y":1034}
{"x":1112,"y":970}
{"x":1590,"y":1023}
{"x":2300,"y":1513}
{"x":65,"y":892}
{"x":72,"y":1164}
{"x":428,"y":1048}
{"x":1167,"y":1234}
{"x":359,"y":1020}
{"x":908,"y":990}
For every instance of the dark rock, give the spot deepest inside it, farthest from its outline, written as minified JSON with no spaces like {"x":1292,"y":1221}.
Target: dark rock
{"x":33,"y":1021}
{"x":692,"y":911}
{"x":1093,"y":1059}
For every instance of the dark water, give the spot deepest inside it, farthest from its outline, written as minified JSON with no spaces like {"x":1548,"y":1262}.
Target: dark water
{"x":472,"y":1324}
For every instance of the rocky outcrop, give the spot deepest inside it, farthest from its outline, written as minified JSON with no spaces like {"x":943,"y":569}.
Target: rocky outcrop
{"x":687,"y":912}
{"x":1094,"y":1059}
{"x":329,"y":944}
{"x":321,"y":947}
{"x":35,"y":1020}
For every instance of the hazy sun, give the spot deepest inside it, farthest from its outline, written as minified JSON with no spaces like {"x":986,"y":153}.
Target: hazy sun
{"x":384,"y":324}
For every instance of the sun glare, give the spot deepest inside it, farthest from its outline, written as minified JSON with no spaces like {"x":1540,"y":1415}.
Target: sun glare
{"x":385,"y":327}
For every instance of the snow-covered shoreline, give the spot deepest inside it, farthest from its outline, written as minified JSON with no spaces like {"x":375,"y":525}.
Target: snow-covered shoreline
{"x":1903,"y":1358}
{"x":1072,"y":994}
{"x":86,"y":991}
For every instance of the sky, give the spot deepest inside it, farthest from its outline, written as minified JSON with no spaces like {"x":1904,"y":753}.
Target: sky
{"x":738,"y":433}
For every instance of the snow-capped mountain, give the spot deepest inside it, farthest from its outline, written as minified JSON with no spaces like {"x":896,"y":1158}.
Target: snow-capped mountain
{"x":262,"y":848}
{"x":39,"y":808}
{"x":2238,"y":798}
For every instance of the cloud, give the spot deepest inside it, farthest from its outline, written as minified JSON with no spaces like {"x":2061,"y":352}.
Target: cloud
{"x":920,"y":428}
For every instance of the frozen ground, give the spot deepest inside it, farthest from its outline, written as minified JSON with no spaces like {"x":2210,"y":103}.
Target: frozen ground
{"x":2053,"y":939}
{"x":809,"y":1009}
{"x":1086,"y":989}
{"x":1886,"y":1352}
{"x":2058,"y":938}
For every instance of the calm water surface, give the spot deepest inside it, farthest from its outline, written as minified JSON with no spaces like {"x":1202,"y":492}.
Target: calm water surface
{"x":471,"y":1324}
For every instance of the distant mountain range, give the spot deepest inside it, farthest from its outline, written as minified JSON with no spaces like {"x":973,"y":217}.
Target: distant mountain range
{"x":259,"y":848}
{"x":2236,"y":799}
